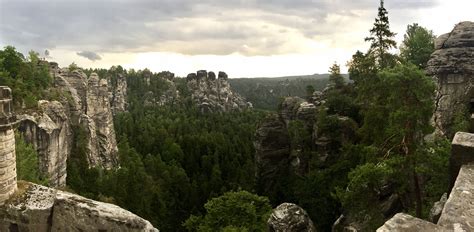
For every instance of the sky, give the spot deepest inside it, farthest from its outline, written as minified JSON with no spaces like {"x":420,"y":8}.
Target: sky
{"x":245,"y":38}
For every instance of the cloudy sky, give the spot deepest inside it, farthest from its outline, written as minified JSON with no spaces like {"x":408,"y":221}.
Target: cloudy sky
{"x":245,"y":38}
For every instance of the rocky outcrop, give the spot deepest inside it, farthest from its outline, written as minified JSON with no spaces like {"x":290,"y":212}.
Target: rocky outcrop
{"x":41,"y":209}
{"x":49,"y":131}
{"x":214,"y":95}
{"x":83,"y":102}
{"x":457,"y":213}
{"x":89,"y":107}
{"x":289,"y":217}
{"x":117,"y":93}
{"x":272,"y":148}
{"x":98,"y":122}
{"x":437,"y":209}
{"x":275,"y":153}
{"x":452,"y":66}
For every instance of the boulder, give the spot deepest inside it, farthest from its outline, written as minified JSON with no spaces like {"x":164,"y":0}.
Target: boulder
{"x":405,"y":223}
{"x":437,"y":208}
{"x":289,"y":217}
{"x":41,"y":209}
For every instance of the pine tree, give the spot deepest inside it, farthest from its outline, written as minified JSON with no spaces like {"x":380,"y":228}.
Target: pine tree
{"x":335,"y":77}
{"x":382,"y":39}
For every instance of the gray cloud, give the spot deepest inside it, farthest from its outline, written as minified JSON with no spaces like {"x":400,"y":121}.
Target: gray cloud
{"x":89,"y":55}
{"x":251,"y":27}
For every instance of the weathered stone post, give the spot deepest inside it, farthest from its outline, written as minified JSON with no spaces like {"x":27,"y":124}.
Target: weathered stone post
{"x":7,"y":146}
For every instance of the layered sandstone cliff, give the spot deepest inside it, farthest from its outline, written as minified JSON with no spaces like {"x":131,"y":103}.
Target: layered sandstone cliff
{"x":452,"y":67}
{"x":213,"y":94}
{"x":84,"y":102}
{"x":49,"y":131}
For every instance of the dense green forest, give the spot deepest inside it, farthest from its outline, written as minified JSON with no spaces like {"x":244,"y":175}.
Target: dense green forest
{"x":184,"y":170}
{"x":267,"y":93}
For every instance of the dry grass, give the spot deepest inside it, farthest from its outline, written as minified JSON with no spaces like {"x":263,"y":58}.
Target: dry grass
{"x":19,"y":194}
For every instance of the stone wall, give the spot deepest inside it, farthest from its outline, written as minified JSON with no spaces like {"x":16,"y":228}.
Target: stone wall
{"x":7,"y":146}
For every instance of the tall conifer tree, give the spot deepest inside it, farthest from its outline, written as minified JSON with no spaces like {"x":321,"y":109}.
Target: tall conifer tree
{"x":382,"y":39}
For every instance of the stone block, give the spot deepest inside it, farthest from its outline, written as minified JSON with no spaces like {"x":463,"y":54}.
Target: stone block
{"x":462,"y":152}
{"x":405,"y":223}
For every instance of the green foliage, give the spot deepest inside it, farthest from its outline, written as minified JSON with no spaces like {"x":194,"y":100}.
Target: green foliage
{"x":233,"y":211}
{"x":361,"y":194}
{"x":265,"y":93}
{"x":432,"y":164}
{"x":381,"y":39}
{"x":73,"y":66}
{"x":309,"y":91}
{"x":335,"y":77}
{"x":417,"y":45}
{"x":27,"y":164}
{"x":461,"y":118}
{"x":27,"y":77}
{"x":172,"y":158}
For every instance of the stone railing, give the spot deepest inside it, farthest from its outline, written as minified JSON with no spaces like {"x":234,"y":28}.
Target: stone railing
{"x":458,"y":212}
{"x":7,"y":146}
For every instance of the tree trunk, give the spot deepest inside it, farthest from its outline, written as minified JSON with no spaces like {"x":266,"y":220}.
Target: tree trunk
{"x":419,"y":203}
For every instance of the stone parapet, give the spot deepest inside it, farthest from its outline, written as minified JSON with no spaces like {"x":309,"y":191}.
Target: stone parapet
{"x":7,"y":146}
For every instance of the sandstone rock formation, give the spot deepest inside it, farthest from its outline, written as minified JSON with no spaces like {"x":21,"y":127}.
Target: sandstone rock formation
{"x":452,"y":66}
{"x":117,"y":93}
{"x":213,"y":95}
{"x":457,"y":214}
{"x":289,"y":217}
{"x":98,"y":122}
{"x":272,"y":147}
{"x":84,"y":103}
{"x":31,"y":207}
{"x":49,"y":131}
{"x":41,"y":209}
{"x":275,"y":155}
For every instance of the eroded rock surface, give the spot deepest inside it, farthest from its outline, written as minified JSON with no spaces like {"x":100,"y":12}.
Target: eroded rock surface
{"x":118,"y":93}
{"x":272,"y":148}
{"x":41,"y":209}
{"x":214,"y":95}
{"x":452,"y":65}
{"x":405,"y":223}
{"x":49,"y":131}
{"x":289,"y":217}
{"x":85,"y":103}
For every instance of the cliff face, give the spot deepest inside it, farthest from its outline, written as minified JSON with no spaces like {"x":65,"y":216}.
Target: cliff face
{"x":213,"y":94}
{"x":49,"y":131}
{"x":41,"y":209}
{"x":118,"y":93}
{"x":98,"y":122}
{"x":85,"y":103}
{"x":452,"y":65}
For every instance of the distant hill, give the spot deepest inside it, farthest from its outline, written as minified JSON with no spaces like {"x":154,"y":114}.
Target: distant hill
{"x":267,"y":92}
